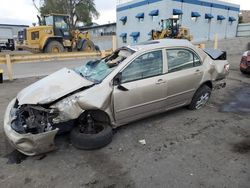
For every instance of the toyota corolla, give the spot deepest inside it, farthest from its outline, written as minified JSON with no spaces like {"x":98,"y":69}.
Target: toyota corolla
{"x":130,"y":84}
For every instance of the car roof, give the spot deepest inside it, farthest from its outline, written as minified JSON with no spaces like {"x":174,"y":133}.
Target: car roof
{"x":162,"y":43}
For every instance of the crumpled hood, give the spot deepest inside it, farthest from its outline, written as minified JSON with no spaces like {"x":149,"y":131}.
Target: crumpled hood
{"x":52,"y":87}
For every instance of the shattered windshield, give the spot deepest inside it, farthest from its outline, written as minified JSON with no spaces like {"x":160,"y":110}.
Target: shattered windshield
{"x":97,"y":70}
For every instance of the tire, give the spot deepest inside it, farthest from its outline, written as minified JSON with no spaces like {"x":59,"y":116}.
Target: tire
{"x":200,"y":98}
{"x":54,"y":47}
{"x":97,"y":48}
{"x":243,"y":71}
{"x":88,"y":46}
{"x":91,"y":141}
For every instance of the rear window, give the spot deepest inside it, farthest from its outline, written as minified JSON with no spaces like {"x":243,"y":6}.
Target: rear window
{"x":216,"y":54}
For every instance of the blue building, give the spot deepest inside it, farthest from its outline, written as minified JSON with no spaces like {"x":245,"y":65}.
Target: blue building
{"x":136,"y":19}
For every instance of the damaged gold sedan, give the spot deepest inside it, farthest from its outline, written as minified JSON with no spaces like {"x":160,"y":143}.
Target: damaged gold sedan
{"x":132,"y":83}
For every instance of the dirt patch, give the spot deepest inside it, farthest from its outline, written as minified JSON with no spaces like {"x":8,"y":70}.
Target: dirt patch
{"x":242,"y":147}
{"x":109,"y":173}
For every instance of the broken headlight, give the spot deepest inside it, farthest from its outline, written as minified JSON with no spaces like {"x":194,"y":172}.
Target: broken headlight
{"x":32,"y":119}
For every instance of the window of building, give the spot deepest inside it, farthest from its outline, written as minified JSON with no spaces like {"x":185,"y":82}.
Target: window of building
{"x":154,"y":14}
{"x":220,"y":18}
{"x":147,"y":65}
{"x":231,"y":19}
{"x":209,"y":17}
{"x":140,"y":17}
{"x":124,"y":37}
{"x":155,"y":18}
{"x":124,"y":20}
{"x":135,"y":36}
{"x":141,"y":20}
{"x":177,"y":13}
{"x":134,"y":40}
{"x":181,"y":59}
{"x":195,"y":16}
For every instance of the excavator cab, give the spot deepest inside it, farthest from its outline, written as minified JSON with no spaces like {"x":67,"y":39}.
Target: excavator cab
{"x":172,"y":25}
{"x":60,"y":25}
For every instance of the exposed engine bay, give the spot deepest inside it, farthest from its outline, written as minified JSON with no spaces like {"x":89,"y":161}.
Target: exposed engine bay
{"x":32,"y":119}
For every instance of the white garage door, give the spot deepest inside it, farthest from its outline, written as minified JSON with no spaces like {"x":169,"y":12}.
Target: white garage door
{"x":6,"y":33}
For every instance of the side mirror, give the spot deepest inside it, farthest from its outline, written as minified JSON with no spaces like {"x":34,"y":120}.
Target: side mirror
{"x":117,"y":79}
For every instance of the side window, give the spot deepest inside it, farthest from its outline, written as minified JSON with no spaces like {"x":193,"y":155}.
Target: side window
{"x":147,"y":65}
{"x":180,"y":59}
{"x":197,"y":61}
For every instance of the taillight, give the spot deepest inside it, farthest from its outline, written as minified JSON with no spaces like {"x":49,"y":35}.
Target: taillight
{"x":243,"y":62}
{"x":244,"y":59}
{"x":226,"y":67}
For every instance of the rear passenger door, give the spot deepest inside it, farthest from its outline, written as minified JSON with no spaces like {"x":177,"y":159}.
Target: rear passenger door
{"x":184,"y":75}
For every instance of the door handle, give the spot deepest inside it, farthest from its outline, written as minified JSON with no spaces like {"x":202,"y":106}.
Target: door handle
{"x":160,"y":81}
{"x":197,"y":71}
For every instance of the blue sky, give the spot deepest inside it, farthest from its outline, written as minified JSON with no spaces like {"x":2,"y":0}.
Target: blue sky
{"x":23,"y":12}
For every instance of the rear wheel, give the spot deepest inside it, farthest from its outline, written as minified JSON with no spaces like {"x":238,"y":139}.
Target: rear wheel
{"x":200,"y":98}
{"x":88,"y":46}
{"x":54,"y":47}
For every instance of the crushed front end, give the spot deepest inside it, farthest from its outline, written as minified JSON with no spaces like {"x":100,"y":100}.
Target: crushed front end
{"x":29,"y":128}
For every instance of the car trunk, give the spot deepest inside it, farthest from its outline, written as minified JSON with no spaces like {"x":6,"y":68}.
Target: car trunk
{"x":219,"y":64}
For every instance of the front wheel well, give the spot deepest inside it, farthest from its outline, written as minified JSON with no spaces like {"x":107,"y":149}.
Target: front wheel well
{"x":97,"y":115}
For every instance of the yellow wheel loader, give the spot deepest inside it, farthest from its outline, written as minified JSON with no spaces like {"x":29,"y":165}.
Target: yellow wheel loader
{"x":53,"y":35}
{"x":170,"y":28}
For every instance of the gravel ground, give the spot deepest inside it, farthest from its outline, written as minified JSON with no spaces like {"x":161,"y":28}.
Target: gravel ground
{"x":205,"y":148}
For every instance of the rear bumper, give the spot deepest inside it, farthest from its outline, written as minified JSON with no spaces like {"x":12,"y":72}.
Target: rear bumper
{"x":245,"y":70}
{"x":245,"y":66}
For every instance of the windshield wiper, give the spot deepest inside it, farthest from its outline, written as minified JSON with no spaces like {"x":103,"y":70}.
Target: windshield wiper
{"x":92,"y":80}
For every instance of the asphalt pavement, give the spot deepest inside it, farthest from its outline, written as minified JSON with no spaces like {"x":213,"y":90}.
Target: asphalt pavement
{"x":43,"y":68}
{"x":207,"y":148}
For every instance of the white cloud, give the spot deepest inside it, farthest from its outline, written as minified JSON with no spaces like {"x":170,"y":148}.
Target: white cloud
{"x":107,"y":10}
{"x":244,"y":4}
{"x":17,"y":12}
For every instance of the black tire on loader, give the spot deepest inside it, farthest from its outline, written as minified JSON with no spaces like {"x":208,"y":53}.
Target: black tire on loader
{"x":88,"y":46}
{"x":54,"y":47}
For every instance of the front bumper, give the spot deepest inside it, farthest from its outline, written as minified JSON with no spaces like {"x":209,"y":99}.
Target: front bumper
{"x":28,"y":144}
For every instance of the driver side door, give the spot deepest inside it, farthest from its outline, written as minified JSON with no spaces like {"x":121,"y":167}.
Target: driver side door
{"x":142,"y":89}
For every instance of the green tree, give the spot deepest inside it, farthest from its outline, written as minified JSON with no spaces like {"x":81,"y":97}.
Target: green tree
{"x":78,"y":10}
